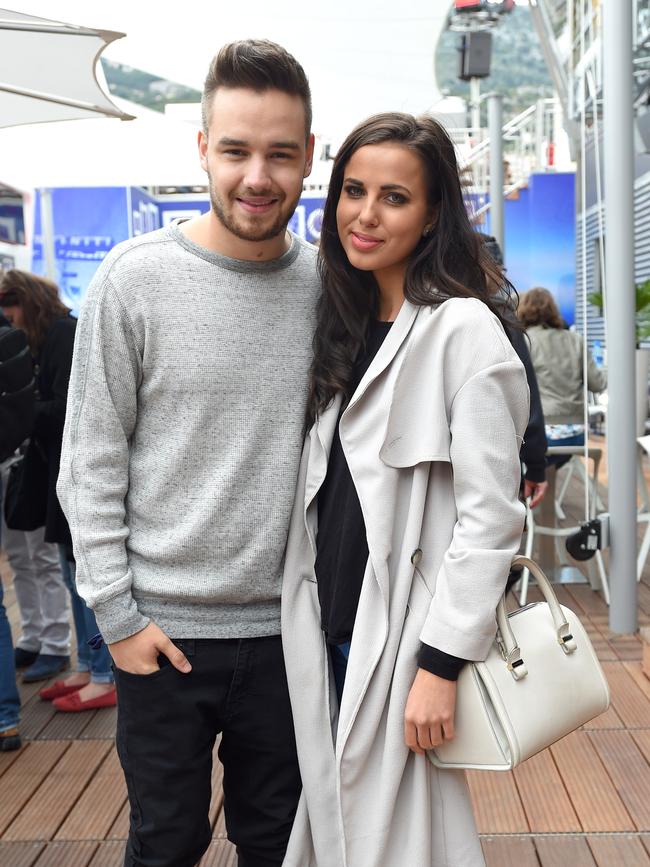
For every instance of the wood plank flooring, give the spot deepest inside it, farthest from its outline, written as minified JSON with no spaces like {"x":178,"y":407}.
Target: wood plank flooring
{"x":583,"y":802}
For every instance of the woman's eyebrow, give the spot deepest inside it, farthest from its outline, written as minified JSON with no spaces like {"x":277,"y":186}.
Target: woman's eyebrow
{"x":359,"y":183}
{"x":395,"y":187}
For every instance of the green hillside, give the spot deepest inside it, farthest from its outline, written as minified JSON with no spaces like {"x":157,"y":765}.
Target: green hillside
{"x":145,"y":89}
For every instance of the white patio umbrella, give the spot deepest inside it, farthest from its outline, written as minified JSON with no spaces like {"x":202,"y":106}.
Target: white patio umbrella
{"x":47,"y":73}
{"x":151,"y":150}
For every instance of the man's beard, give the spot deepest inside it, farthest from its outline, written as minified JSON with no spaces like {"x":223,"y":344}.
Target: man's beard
{"x":250,"y":232}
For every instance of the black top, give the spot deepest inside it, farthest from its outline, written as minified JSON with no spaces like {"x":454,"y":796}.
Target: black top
{"x":342,"y":546}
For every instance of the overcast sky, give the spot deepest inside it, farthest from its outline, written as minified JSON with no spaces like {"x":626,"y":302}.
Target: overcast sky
{"x":361,"y":57}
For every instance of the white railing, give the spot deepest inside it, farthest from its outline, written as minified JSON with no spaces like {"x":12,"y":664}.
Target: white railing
{"x":529,"y":145}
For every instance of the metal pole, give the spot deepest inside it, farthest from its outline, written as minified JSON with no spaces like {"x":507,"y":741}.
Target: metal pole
{"x":540,"y":153}
{"x":475,"y":103}
{"x":619,"y":264}
{"x":495,"y":125}
{"x":47,"y":233}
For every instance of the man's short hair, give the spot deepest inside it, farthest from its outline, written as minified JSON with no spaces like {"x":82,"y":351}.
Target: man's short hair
{"x":259,"y":65}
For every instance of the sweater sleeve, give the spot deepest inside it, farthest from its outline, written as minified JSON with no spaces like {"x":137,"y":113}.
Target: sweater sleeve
{"x":487,"y":419}
{"x":94,"y":475}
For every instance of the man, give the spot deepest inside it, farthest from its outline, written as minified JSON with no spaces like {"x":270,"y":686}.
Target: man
{"x":181,"y":450}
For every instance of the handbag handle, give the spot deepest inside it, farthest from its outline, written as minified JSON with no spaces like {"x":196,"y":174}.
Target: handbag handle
{"x":506,"y":638}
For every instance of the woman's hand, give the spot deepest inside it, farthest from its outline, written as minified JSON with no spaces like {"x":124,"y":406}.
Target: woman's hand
{"x":536,"y":491}
{"x":429,"y":714}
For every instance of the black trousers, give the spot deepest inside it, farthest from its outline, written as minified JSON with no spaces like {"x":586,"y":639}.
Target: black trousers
{"x":166,"y":730}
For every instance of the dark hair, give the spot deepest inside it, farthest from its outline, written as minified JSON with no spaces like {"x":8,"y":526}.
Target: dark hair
{"x":449,"y":262}
{"x":538,"y":307}
{"x":259,"y":65}
{"x":40,"y":302}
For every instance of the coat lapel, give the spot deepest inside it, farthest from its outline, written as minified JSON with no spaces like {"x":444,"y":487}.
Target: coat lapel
{"x":320,"y":436}
{"x":322,"y":432}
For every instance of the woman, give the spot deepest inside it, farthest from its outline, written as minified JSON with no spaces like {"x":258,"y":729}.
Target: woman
{"x":43,"y":647}
{"x":557,"y":356}
{"x":407,"y":515}
{"x":32,"y":304}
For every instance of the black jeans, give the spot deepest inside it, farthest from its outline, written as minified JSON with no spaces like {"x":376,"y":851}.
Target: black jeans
{"x":166,"y":729}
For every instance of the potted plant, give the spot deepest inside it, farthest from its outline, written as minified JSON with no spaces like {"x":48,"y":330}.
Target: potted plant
{"x":642,"y":329}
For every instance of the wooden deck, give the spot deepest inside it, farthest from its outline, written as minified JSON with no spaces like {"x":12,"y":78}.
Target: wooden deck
{"x":585,"y":802}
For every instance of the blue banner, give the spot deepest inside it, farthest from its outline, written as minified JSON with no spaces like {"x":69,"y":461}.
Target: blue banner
{"x":307,"y":220}
{"x":540,"y":238}
{"x":144,"y":212}
{"x":88,"y":222}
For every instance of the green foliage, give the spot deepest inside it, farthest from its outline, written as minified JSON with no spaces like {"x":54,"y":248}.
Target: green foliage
{"x":641,"y":308}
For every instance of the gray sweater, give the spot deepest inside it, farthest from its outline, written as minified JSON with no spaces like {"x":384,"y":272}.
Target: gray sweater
{"x":183,"y":435}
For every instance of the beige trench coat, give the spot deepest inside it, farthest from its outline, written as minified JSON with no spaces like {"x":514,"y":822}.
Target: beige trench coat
{"x":432,"y":438}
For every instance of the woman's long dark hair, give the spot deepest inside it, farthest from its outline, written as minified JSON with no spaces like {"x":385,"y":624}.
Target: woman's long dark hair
{"x":40,"y":302}
{"x":450,"y":262}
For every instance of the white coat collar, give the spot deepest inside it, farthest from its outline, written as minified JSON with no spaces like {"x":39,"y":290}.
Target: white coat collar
{"x":322,"y":432}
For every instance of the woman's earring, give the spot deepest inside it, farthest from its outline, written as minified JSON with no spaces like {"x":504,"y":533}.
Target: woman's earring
{"x":426,"y":231}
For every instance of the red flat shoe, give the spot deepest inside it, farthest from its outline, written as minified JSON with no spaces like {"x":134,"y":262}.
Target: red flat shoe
{"x":73,"y":704}
{"x":58,"y":689}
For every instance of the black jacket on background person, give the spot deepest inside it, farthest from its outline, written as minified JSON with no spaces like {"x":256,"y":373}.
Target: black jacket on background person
{"x":533,"y":449}
{"x":16,"y":389}
{"x":52,"y":368}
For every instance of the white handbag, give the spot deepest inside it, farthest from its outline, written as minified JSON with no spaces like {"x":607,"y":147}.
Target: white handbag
{"x":540,"y":681}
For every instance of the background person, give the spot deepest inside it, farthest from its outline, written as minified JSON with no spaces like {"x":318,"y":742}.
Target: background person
{"x":407,"y":512}
{"x":9,"y":698}
{"x":533,"y":448}
{"x":557,"y":356}
{"x":32,"y":303}
{"x":43,"y":647}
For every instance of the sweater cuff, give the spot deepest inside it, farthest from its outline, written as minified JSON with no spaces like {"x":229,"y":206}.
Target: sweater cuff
{"x":439,"y":663}
{"x":119,"y":618}
{"x":535,"y":473}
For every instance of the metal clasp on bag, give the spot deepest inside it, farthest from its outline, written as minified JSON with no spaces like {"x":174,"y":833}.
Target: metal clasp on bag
{"x":516,"y":665}
{"x":565,"y":639}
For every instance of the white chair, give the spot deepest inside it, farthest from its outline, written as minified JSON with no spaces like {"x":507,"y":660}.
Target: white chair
{"x":575,"y":465}
{"x":597,"y":577}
